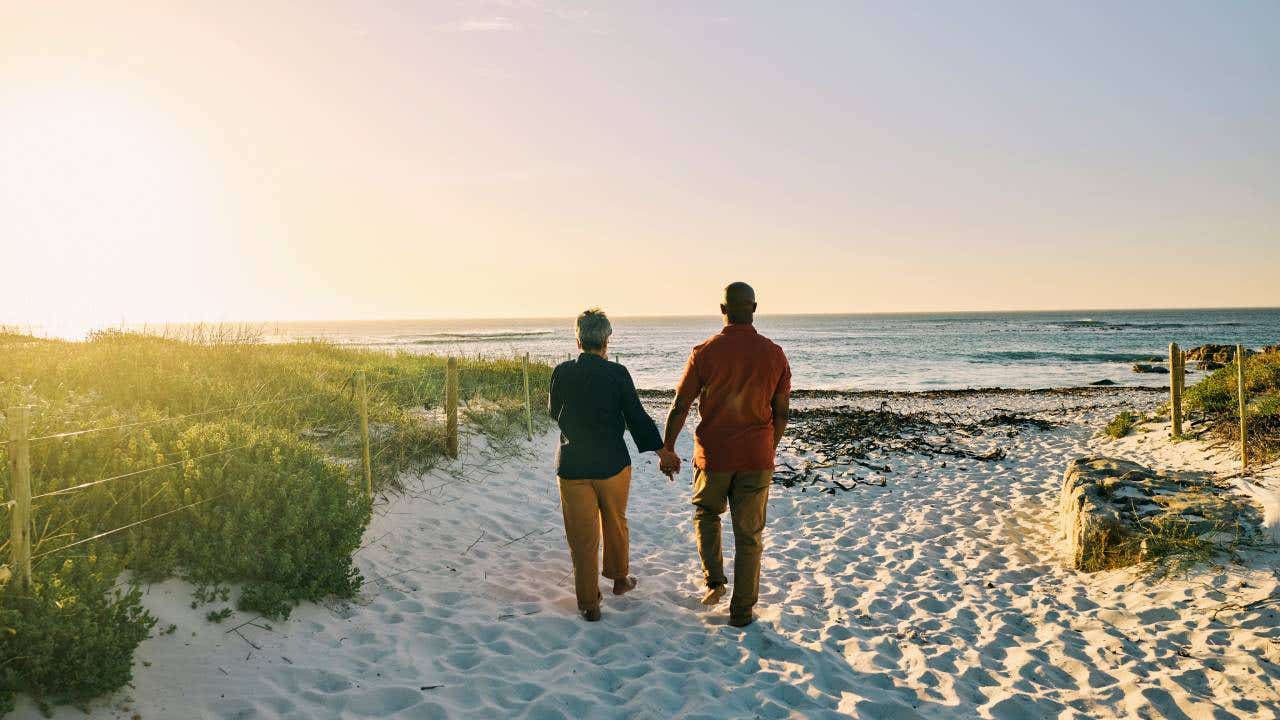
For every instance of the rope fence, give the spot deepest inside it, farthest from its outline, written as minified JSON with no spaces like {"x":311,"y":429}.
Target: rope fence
{"x":425,"y":390}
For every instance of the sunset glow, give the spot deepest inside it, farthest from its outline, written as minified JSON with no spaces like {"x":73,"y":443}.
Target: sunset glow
{"x":169,"y":163}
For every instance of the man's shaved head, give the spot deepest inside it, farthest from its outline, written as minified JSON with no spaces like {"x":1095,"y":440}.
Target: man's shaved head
{"x":739,"y":293}
{"x":739,"y":305}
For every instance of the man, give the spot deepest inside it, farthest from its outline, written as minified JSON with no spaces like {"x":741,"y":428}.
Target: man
{"x":742,"y":382}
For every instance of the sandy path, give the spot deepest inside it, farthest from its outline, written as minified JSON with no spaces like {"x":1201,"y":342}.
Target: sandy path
{"x":939,"y":596}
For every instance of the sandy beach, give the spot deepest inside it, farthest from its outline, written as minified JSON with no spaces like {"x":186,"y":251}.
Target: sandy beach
{"x":940,"y":595}
{"x":302,"y":299}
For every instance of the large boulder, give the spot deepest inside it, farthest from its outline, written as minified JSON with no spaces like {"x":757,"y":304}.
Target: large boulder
{"x":1148,"y":368}
{"x":1114,"y":513}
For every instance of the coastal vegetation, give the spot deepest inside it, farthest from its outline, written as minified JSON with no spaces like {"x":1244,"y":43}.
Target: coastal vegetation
{"x":214,"y":457}
{"x":1215,"y":399}
{"x":1122,"y":424}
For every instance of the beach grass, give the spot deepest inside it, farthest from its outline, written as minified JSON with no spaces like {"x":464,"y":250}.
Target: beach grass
{"x":242,"y":457}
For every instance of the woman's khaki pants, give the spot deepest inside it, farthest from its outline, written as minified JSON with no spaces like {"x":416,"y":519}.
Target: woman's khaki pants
{"x":589,"y":507}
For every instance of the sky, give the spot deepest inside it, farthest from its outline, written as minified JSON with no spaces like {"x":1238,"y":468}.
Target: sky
{"x":238,"y":161}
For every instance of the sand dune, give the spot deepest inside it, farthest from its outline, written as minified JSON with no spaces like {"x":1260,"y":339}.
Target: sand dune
{"x":941,"y":595}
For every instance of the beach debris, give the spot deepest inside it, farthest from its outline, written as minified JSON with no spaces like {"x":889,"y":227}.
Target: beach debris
{"x":509,"y":615}
{"x":1114,"y":513}
{"x":477,"y":542}
{"x":522,"y":537}
{"x":832,"y":445}
{"x":252,"y":644}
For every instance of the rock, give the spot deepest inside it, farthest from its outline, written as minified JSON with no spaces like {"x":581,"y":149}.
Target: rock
{"x":1145,"y":368}
{"x":1270,"y":349}
{"x":1208,"y":365}
{"x":1214,"y":353}
{"x":1113,"y":513}
{"x":1103,"y":381}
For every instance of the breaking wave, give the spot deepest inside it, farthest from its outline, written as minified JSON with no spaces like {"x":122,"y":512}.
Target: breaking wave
{"x":442,"y":338}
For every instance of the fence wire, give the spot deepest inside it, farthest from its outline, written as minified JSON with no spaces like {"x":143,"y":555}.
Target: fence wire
{"x":158,"y":421}
{"x":134,"y":473}
{"x":122,"y":528}
{"x":427,"y":388}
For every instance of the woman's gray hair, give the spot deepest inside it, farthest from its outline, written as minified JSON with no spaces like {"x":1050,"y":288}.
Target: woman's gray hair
{"x":593,"y":329}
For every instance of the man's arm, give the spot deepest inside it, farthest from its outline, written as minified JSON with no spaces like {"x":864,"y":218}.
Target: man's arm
{"x":676,"y":417}
{"x":781,"y":404}
{"x":675,"y":423}
{"x":686,"y":391}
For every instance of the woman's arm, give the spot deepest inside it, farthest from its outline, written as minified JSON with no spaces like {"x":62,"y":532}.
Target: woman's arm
{"x":644,"y":430}
{"x":554,"y":401}
{"x":642,"y":427}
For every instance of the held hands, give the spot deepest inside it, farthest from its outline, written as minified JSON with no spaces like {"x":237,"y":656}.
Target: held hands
{"x":669,"y":463}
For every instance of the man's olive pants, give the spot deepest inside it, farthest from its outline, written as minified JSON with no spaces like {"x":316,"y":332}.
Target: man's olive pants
{"x":747,"y":494}
{"x":589,"y":505}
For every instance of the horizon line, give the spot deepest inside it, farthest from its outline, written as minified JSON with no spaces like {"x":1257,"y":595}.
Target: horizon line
{"x":479,"y":318}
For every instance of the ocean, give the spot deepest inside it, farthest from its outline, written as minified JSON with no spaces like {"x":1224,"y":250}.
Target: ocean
{"x":854,"y":352}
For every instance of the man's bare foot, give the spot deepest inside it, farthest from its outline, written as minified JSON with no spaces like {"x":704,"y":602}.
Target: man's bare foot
{"x":592,"y":615}
{"x":713,"y":595}
{"x":624,"y":586}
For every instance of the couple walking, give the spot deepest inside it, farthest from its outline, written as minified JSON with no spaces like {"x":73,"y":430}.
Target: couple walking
{"x":741,"y":381}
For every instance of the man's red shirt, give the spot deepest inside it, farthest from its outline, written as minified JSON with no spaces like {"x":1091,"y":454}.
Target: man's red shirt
{"x":735,"y":375}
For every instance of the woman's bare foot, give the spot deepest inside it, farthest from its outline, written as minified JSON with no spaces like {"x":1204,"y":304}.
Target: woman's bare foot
{"x":624,"y":586}
{"x":713,"y":595}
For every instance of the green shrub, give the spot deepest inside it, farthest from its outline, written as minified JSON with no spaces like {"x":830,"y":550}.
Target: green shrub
{"x":279,"y":511}
{"x":73,"y":636}
{"x":1121,"y":424}
{"x":1217,"y":393}
{"x":267,"y":598}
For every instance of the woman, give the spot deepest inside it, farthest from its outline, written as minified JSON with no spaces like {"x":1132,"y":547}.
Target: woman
{"x":593,"y":400}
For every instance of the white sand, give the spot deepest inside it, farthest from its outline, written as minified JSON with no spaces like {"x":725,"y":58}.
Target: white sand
{"x":941,"y":595}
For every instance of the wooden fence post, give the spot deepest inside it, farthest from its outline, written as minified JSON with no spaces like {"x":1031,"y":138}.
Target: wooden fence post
{"x":1244,"y":430}
{"x":20,"y":509}
{"x":528,"y":403}
{"x":451,"y":408}
{"x":1175,"y":389}
{"x":362,"y":387}
{"x":1182,"y":372}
